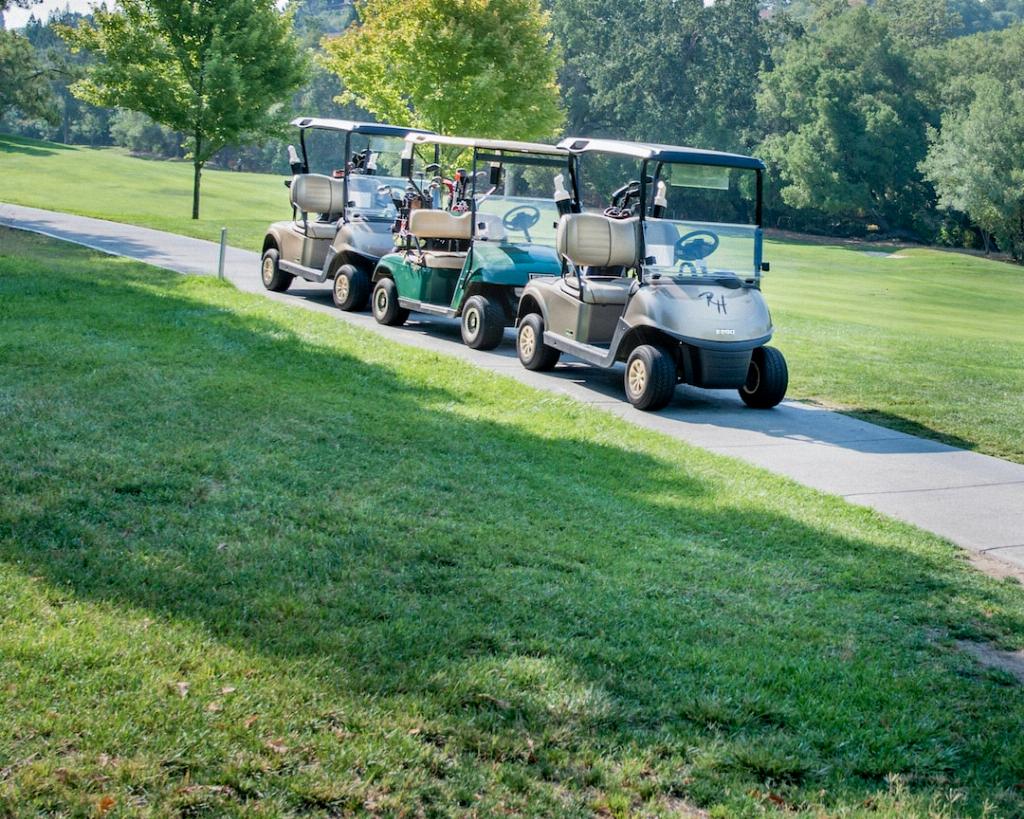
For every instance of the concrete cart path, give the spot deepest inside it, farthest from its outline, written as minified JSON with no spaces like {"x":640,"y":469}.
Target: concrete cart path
{"x":973,"y":500}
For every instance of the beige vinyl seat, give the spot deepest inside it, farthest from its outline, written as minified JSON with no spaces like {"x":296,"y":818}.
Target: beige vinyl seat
{"x":595,"y":240}
{"x":428,"y":225}
{"x":313,"y":193}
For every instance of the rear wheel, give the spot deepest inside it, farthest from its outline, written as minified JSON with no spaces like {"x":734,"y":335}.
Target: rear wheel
{"x":274,"y":278}
{"x":767,"y":379}
{"x":650,"y":377}
{"x":386,"y":308}
{"x":533,"y":352}
{"x":483,"y":323}
{"x":351,"y":288}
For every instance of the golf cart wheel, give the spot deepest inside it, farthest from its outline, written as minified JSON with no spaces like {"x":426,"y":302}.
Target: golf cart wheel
{"x":351,"y":288}
{"x":533,"y":352}
{"x":767,"y":379}
{"x":650,"y":377}
{"x":385,"y":304}
{"x":274,"y":278}
{"x":483,"y":323}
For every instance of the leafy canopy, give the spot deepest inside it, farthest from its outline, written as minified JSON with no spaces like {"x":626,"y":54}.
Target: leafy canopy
{"x":215,"y":70}
{"x":24,"y":81}
{"x":976,"y":161}
{"x":846,"y":130}
{"x":480,"y":67}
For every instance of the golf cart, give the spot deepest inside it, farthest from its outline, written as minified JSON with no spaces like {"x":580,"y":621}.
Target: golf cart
{"x":652,"y":281}
{"x":342,"y":217}
{"x":470,"y":240}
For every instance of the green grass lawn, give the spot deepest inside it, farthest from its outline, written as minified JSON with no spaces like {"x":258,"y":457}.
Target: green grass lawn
{"x":931,"y":343}
{"x":255,"y":560}
{"x":108,"y":183}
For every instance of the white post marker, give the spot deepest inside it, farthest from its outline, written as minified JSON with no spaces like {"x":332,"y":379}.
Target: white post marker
{"x":223,"y":247}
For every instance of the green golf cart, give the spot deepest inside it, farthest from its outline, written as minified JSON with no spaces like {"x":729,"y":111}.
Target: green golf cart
{"x":470,"y":239}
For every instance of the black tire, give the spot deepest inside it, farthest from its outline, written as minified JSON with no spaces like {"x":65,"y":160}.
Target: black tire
{"x":767,"y":379}
{"x":483,"y":323}
{"x":274,"y":278}
{"x":650,"y":377}
{"x":351,"y":288}
{"x":386,"y":308}
{"x":533,"y":352}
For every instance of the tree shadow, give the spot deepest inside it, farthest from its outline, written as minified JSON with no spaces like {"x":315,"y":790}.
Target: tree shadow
{"x":545,"y":573}
{"x":18,"y":145}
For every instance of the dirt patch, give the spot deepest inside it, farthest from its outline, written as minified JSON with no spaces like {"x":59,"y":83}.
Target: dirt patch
{"x":1012,"y":662}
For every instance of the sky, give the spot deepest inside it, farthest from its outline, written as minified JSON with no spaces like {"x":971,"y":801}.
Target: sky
{"x":16,"y":17}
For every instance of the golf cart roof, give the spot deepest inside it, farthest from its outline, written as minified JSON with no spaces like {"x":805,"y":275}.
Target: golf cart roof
{"x":661,"y":153}
{"x":351,"y":126}
{"x":488,"y":144}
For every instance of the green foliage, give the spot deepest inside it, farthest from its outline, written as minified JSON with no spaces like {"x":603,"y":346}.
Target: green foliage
{"x":24,"y":85}
{"x":662,"y":70}
{"x":454,"y":66}
{"x":976,"y":161}
{"x":917,"y":23}
{"x":846,"y":132}
{"x":214,"y":71}
{"x":141,"y":135}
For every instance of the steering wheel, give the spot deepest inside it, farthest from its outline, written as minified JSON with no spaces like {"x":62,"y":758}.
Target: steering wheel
{"x":522,"y":217}
{"x":693,"y":245}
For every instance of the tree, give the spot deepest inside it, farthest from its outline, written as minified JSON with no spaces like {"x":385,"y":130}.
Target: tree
{"x":214,"y":70}
{"x":976,"y":162}
{"x":846,"y":129}
{"x":662,"y":70}
{"x":453,"y":66}
{"x":24,"y":84}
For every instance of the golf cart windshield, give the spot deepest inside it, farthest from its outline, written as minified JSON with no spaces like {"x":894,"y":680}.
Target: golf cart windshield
{"x":370,"y":197}
{"x":701,"y":222}
{"x":372,"y":164}
{"x":521,"y":209}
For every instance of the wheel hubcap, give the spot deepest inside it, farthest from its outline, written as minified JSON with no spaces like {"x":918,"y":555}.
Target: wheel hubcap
{"x":341,"y":287}
{"x":753,"y":378}
{"x":382,"y":301}
{"x":268,"y":270}
{"x":637,"y":375}
{"x":472,"y":323}
{"x":527,"y":341}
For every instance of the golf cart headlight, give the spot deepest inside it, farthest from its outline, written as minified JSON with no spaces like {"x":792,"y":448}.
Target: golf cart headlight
{"x":518,"y":291}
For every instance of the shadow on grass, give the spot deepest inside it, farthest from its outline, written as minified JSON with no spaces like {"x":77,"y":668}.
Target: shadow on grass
{"x":370,"y":518}
{"x":909,"y":426}
{"x":30,"y":147}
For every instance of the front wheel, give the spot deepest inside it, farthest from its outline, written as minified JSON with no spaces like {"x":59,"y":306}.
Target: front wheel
{"x":351,"y":288}
{"x":650,"y":377}
{"x":483,"y":323}
{"x":274,"y":278}
{"x":767,"y":379}
{"x":533,"y":352}
{"x":386,"y":308}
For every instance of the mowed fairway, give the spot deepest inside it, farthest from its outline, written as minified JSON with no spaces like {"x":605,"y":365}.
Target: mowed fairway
{"x":931,"y":343}
{"x":254,"y":559}
{"x":108,"y":183}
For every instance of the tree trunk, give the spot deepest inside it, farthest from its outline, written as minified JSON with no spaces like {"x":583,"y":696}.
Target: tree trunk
{"x":197,"y":167}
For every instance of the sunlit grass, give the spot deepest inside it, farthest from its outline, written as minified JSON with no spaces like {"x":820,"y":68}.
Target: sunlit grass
{"x":254,"y":559}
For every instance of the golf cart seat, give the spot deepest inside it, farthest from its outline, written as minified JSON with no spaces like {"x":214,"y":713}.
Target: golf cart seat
{"x":591,"y":240}
{"x":315,"y":193}
{"x":594,"y":240}
{"x":440,"y":225}
{"x":604,"y":289}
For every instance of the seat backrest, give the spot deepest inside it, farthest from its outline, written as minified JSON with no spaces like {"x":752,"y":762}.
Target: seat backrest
{"x":315,"y":193}
{"x":440,"y":224}
{"x":596,"y":240}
